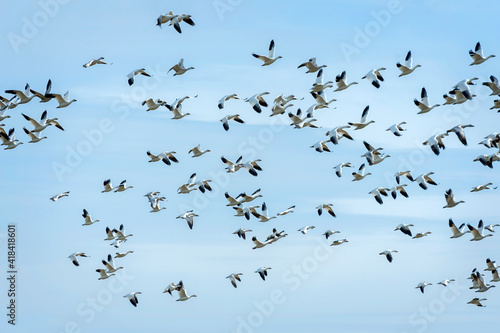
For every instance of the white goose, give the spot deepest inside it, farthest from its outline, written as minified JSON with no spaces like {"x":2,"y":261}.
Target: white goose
{"x":257,"y":100}
{"x":233,"y":201}
{"x":88,"y":218}
{"x":44,"y":122}
{"x":177,"y":112}
{"x":264,"y":216}
{"x":338,"y":133}
{"x":132,"y":297}
{"x":360,"y":174}
{"x":162,"y":19}
{"x":477,"y":301}
{"x":252,"y":166}
{"x":363,"y":123}
{"x":491,"y":227}
{"x":44,"y":98}
{"x":98,"y":61}
{"x":446,"y":282}
{"x":321,"y":100}
{"x":404,"y":228}
{"x":197,"y":151}
{"x":457,"y":232}
{"x":399,"y":188}
{"x":379,"y":191}
{"x":338,"y":168}
{"x":397,"y":129}
{"x":155,"y":205}
{"x":263,"y":272}
{"x":279,"y":109}
{"x":327,"y":207}
{"x":110,"y":264}
{"x":183,"y":296}
{"x":230,"y":166}
{"x":463,"y":88}
{"x":388,"y":254}
{"x":152,"y":105}
{"x":492,"y":265}
{"x":233,"y":278}
{"x":340,"y":80}
{"x":108,"y":187}
{"x":63,"y":100}
{"x":24,"y":96}
{"x":478,"y":56}
{"x":320,"y":85}
{"x":400,"y":174}
{"x":59,"y":196}
{"x":311,"y":65}
{"x":170,"y":288}
{"x":436,"y":142}
{"x":421,"y":234}
{"x":459,"y":131}
{"x":304,"y":230}
{"x":123,"y":186}
{"x":165,"y":157}
{"x":424,"y":104}
{"x":321,"y":147}
{"x":407,"y":67}
{"x":74,"y":257}
{"x":186,"y":188}
{"x":223,"y":100}
{"x":495,"y":276}
{"x":450,"y":99}
{"x":286,"y":211}
{"x":226,"y":119}
{"x":330,"y":232}
{"x":122,"y":254}
{"x":422,"y":285}
{"x":110,"y":235}
{"x":103,"y":273}
{"x":478,"y":234}
{"x":179,"y":68}
{"x":493,"y":85}
{"x":35,"y":137}
{"x":270,"y":58}
{"x":131,"y":75}
{"x":121,"y":234}
{"x":339,"y":242}
{"x":374,"y":77}
{"x":249,"y":198}
{"x":450,"y":199}
{"x":242,"y":232}
{"x":258,"y":244}
{"x":9,"y":139}
{"x":424,"y":179}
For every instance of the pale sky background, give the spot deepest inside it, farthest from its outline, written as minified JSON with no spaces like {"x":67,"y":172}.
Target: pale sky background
{"x":349,"y":288}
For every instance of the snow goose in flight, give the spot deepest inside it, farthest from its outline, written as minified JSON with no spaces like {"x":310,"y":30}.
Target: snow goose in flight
{"x":179,"y":68}
{"x":177,"y":104}
{"x":341,"y":82}
{"x":478,"y":234}
{"x":491,"y":227}
{"x":450,"y":199}
{"x":131,"y":75}
{"x":449,"y":99}
{"x":242,"y":232}
{"x":496,"y":104}
{"x":88,"y":218}
{"x":360,"y":174}
{"x":197,"y":151}
{"x":388,"y":254}
{"x":405,"y":228}
{"x":493,"y":85}
{"x":339,"y":242}
{"x":178,"y":114}
{"x":421,"y":234}
{"x":373,"y":155}
{"x":374,"y":77}
{"x":306,"y":123}
{"x":296,"y":118}
{"x":8,"y":139}
{"x":379,"y":191}
{"x":279,"y":109}
{"x":459,"y":131}
{"x":478,"y":56}
{"x":190,"y":221}
{"x":457,"y":232}
{"x":170,"y":288}
{"x":226,"y":119}
{"x":249,"y":198}
{"x":338,"y":168}
{"x":338,"y":133}
{"x":186,"y":188}
{"x":422,"y":285}
{"x":44,"y":98}
{"x":223,"y":100}
{"x":321,"y":100}
{"x":203,"y":185}
{"x":459,"y":96}
{"x":477,"y":301}
{"x":270,"y":58}
{"x":446,"y":282}
{"x":98,"y":61}
{"x":110,"y":264}
{"x":233,"y":201}
{"x":162,"y":19}
{"x":233,"y":278}
{"x":252,"y":166}
{"x":492,"y":265}
{"x":103,"y":273}
{"x":275,"y":236}
{"x":122,"y":254}
{"x":59,"y":196}
{"x":286,"y":211}
{"x":487,"y":160}
{"x":436,"y":142}
{"x":123,"y":186}
{"x":74,"y":257}
{"x":479,"y":281}
{"x":495,"y":276}
{"x":327,"y":207}
{"x":305,"y":229}
{"x":34,"y":137}
{"x":24,"y":96}
{"x":407,"y":67}
{"x":321,"y":147}
{"x":362,"y":124}
{"x":152,"y":105}
{"x":7,"y":104}
{"x":177,"y":19}
{"x":425,"y":179}
{"x":424,"y":104}
{"x":241,"y":210}
{"x":183,"y":296}
{"x":44,"y":122}
{"x":232,"y":167}
{"x":108,"y":187}
{"x":263,"y":272}
{"x":330,"y":232}
{"x":403,"y":173}
{"x":320,"y":85}
{"x":258,"y":244}
{"x":283,"y":100}
{"x":311,"y":65}
{"x":463,"y":88}
{"x":110,"y":234}
{"x":264,"y":216}
{"x":165,"y":157}
{"x":400,"y":189}
{"x":257,"y":100}
{"x":132,"y":297}
{"x":155,"y":204}
{"x":396,"y":129}
{"x":121,"y":234}
{"x":3,"y":113}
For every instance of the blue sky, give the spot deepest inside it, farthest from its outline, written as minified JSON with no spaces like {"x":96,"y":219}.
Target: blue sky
{"x":311,"y":287}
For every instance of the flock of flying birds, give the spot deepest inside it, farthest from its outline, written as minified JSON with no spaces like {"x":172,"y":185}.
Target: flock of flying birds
{"x":458,"y":94}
